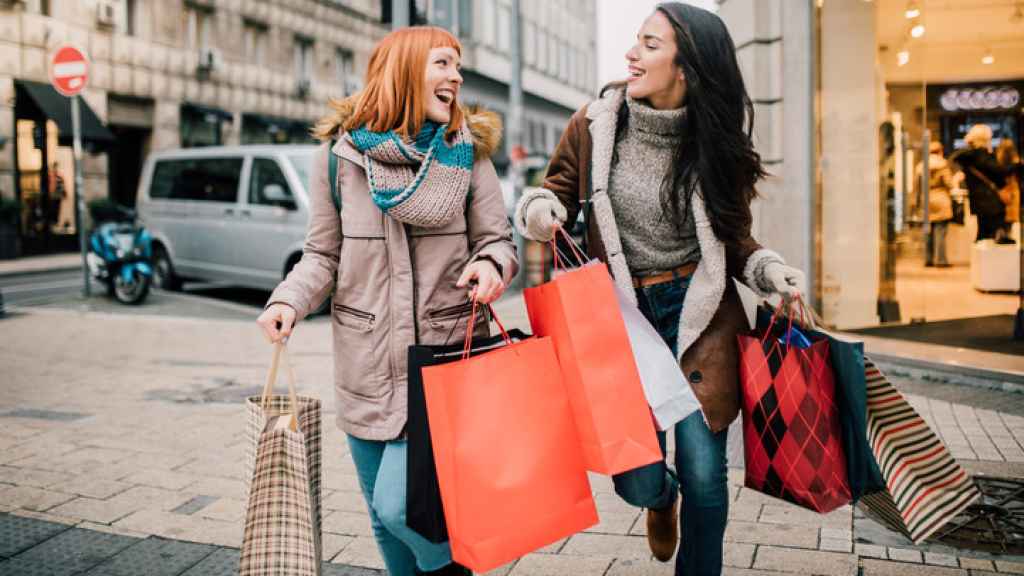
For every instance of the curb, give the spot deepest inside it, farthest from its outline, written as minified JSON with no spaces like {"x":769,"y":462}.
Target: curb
{"x":926,"y":370}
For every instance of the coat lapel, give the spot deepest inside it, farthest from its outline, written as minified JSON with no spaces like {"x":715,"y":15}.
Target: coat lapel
{"x":602,"y":115}
{"x":707,"y":286}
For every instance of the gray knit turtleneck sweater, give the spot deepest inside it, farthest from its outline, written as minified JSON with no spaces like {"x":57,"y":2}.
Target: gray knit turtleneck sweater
{"x":651,"y":240}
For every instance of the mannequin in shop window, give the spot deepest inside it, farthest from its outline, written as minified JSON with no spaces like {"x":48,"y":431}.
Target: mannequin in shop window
{"x":939,"y":210}
{"x":985,"y":177}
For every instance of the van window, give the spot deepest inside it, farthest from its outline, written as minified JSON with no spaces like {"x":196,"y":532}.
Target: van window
{"x":303,"y":166}
{"x":266,"y":173}
{"x":203,"y":179}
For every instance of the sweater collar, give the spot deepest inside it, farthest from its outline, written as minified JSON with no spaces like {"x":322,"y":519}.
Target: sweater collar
{"x":660,"y":127}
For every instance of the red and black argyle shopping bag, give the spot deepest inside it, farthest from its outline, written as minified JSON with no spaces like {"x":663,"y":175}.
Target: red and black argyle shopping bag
{"x":791,"y":432}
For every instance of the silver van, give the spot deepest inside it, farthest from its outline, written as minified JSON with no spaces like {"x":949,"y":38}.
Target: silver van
{"x":231,"y":214}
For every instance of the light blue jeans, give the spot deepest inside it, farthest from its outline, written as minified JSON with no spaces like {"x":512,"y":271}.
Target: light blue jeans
{"x":381,"y":467}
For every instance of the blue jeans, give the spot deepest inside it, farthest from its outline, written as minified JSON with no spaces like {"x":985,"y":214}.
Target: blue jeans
{"x":381,"y":469}
{"x":700,"y":462}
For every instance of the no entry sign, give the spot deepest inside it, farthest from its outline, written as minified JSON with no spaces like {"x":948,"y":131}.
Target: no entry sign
{"x":69,"y":70}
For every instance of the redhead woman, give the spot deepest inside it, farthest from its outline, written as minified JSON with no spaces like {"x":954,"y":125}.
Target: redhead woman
{"x":422,"y":230}
{"x":664,"y":168}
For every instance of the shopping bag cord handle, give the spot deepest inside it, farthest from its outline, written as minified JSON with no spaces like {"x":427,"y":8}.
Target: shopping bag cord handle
{"x":467,"y":345}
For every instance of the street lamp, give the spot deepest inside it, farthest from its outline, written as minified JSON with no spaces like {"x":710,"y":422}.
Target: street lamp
{"x":912,"y":11}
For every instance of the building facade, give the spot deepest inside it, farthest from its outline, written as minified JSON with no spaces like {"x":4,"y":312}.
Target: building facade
{"x":559,"y":56}
{"x":162,"y":75}
{"x":849,"y":96}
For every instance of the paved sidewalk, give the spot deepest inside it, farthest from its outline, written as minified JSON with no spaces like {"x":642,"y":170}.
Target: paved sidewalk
{"x":133,"y":426}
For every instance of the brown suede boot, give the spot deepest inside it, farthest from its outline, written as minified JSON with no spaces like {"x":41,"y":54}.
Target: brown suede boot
{"x":663,"y":531}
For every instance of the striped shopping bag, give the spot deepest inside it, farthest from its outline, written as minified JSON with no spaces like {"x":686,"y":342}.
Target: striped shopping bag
{"x":926,"y":488}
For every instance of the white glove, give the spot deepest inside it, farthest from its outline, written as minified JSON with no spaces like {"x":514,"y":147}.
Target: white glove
{"x":542,"y":214}
{"x":785,"y":280}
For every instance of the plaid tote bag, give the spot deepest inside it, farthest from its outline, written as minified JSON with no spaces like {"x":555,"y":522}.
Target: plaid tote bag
{"x":282,"y":518}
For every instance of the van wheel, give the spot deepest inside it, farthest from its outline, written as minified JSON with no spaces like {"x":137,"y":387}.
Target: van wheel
{"x":164,"y":277}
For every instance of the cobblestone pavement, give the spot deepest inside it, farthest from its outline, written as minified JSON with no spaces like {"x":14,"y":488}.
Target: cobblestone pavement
{"x":128,"y":430}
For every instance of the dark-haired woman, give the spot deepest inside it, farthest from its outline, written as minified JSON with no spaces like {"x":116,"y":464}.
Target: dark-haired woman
{"x":664,"y":168}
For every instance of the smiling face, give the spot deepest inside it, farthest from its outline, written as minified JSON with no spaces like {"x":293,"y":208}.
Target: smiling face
{"x":653,"y":74}
{"x":441,"y":82}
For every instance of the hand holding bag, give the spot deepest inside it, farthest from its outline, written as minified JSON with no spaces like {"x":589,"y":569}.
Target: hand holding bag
{"x":282,"y":519}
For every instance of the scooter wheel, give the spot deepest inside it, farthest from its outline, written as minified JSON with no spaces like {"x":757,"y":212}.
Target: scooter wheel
{"x":132,"y":292}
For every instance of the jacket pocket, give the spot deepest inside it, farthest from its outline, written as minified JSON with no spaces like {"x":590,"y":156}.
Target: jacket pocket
{"x":360,"y":355}
{"x":355,"y":319}
{"x":443,"y":317}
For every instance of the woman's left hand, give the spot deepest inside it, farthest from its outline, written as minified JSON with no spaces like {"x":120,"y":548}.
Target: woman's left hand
{"x":489,"y":286}
{"x":786,"y":280}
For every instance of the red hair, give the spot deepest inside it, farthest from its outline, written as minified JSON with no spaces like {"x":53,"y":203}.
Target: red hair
{"x":393,"y":98}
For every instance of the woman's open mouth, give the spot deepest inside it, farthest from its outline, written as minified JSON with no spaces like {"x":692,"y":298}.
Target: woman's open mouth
{"x":445,"y":95}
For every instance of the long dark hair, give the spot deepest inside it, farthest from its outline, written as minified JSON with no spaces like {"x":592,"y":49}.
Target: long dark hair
{"x":716,"y":152}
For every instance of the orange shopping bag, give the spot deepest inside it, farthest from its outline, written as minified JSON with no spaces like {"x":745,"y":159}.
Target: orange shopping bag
{"x":511,"y":476}
{"x":580,"y":312}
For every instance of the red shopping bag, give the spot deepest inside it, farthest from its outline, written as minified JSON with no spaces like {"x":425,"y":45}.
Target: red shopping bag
{"x":580,"y":312}
{"x":792,"y":439}
{"x":511,"y":476}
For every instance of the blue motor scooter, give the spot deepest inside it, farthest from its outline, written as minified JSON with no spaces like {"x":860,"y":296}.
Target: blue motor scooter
{"x":119,"y":255}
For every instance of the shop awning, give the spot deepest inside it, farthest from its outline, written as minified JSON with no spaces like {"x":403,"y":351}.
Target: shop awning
{"x":58,"y":108}
{"x":209,"y":113}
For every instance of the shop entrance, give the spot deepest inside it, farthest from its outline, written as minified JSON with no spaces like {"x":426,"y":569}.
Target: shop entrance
{"x":951,"y":128}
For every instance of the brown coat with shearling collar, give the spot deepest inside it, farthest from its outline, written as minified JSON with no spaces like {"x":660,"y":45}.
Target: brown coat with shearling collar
{"x":712,"y":314}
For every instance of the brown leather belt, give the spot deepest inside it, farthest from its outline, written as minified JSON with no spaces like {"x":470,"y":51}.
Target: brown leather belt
{"x":681,"y":272}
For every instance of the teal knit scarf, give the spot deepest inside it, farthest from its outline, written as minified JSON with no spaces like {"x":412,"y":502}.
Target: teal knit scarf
{"x":424,"y":182}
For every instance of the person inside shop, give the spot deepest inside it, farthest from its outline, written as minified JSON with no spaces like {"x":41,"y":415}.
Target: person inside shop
{"x":939,"y":210}
{"x":1009,"y":159}
{"x":984,"y":177}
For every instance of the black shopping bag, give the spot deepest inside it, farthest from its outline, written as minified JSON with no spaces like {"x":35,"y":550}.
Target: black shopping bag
{"x":424,"y":512}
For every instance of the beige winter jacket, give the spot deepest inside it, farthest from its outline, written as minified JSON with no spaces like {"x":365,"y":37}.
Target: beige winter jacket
{"x":392,"y":285}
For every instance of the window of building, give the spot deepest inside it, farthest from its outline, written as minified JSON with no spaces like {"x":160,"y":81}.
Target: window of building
{"x":345,"y":71}
{"x":542,"y":50}
{"x":126,"y":23}
{"x":504,"y":24}
{"x":486,"y":22}
{"x":465,"y":19}
{"x":529,"y":43}
{"x":201,"y":127}
{"x":198,"y":19}
{"x":255,"y":38}
{"x":304,"y":58}
{"x":563,"y":60}
{"x":553,"y":46}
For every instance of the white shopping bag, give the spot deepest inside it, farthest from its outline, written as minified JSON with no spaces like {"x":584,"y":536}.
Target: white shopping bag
{"x":668,"y":392}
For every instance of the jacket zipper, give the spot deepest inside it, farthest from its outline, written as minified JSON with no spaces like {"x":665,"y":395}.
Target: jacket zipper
{"x":415,"y":288}
{"x":451,"y":310}
{"x":391,"y":295}
{"x":353,"y":312}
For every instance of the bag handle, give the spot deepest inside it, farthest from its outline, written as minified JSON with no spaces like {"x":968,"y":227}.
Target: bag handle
{"x":785,"y":308}
{"x":577,"y":251}
{"x":280,"y":351}
{"x":467,"y":345}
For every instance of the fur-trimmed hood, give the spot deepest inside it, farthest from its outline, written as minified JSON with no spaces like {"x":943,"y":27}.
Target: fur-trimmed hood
{"x":484,"y":125}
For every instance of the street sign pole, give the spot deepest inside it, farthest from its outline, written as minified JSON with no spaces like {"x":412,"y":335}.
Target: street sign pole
{"x":69,"y":73}
{"x":76,"y":128}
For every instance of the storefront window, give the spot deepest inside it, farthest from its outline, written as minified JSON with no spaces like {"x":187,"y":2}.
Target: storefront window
{"x":200,"y":127}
